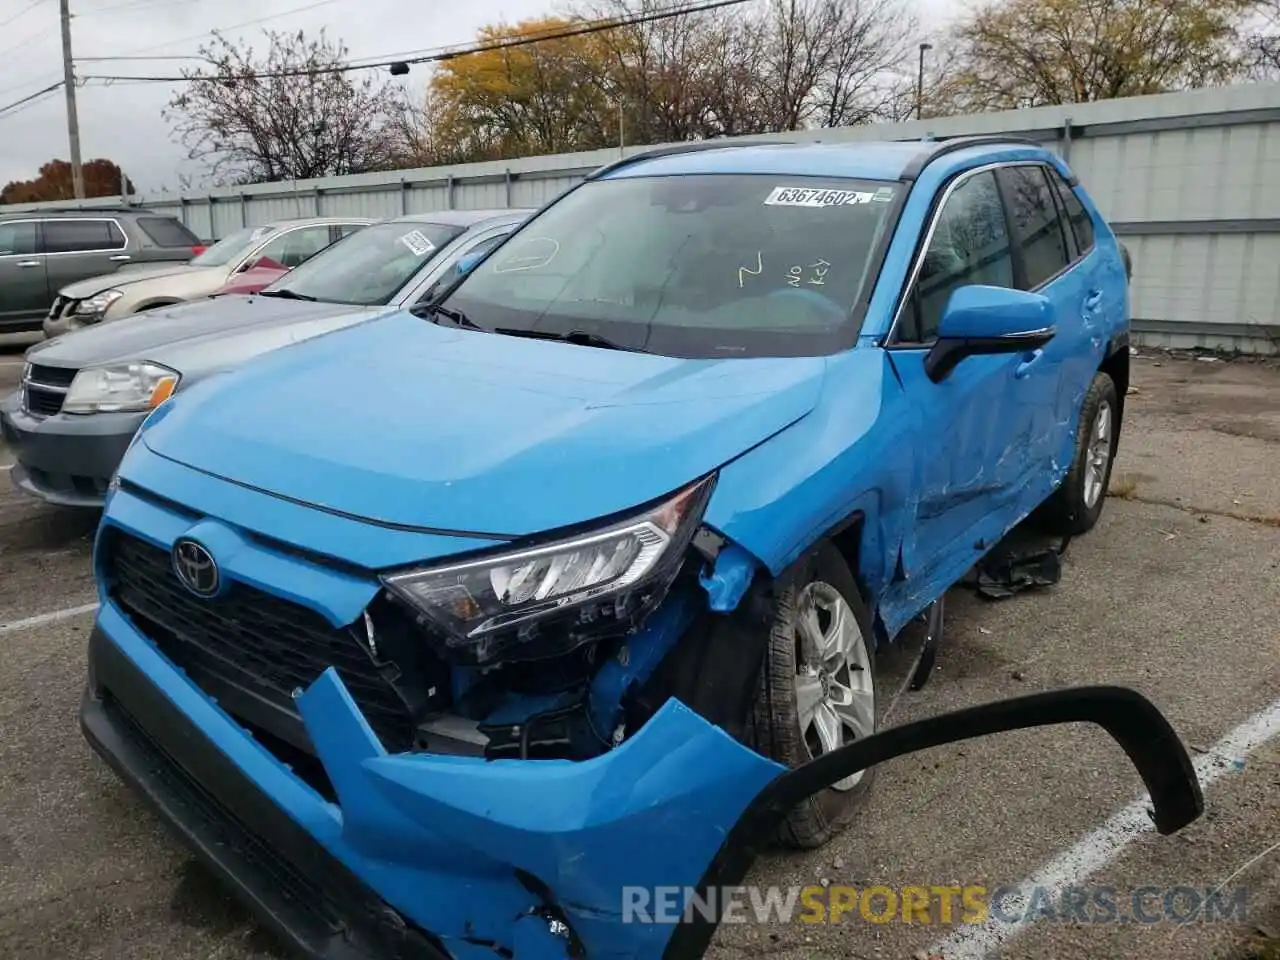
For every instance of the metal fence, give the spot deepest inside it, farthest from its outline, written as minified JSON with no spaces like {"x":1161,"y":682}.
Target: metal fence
{"x":1191,"y":181}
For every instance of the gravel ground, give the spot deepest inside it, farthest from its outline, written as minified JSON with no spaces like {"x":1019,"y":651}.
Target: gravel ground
{"x":1177,"y":594}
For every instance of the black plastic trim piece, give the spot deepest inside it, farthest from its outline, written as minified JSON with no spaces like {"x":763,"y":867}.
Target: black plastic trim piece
{"x":1134,"y":722}
{"x":946,"y":354}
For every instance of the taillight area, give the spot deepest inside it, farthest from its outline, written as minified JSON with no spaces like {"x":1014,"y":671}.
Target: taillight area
{"x":198,"y":249}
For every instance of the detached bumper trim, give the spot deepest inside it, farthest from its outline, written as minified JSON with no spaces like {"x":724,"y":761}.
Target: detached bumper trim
{"x":295,"y":887}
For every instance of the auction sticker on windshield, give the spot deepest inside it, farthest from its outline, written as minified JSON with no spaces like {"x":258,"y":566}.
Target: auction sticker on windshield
{"x":417,"y":243}
{"x":812,"y":197}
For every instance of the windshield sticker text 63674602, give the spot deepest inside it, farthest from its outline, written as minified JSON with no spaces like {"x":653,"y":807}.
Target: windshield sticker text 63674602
{"x":814,"y":197}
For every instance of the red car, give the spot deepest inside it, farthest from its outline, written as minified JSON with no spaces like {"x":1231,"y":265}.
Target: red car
{"x":261,"y":274}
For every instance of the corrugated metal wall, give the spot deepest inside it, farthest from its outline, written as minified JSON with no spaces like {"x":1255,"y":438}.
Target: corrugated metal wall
{"x":1191,"y":181}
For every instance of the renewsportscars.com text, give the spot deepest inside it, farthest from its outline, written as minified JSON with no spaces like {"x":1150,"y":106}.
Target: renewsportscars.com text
{"x":936,"y":904}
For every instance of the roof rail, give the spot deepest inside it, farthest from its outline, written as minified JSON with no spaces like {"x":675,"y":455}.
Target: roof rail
{"x":933,"y":149}
{"x":713,"y":144}
{"x":69,"y":211}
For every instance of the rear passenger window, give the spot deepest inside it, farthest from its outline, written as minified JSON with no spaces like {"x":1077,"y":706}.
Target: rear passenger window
{"x":80,"y":236}
{"x":167,"y":232}
{"x":1038,"y":228}
{"x":1078,"y":216}
{"x":970,"y":245}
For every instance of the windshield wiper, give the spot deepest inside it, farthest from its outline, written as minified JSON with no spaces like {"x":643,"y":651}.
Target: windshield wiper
{"x":457,"y":317}
{"x":288,"y":295}
{"x":579,"y":337}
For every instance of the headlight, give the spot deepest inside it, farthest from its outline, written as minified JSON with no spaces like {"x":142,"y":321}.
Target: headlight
{"x":98,"y":304}
{"x":596,"y":579}
{"x":128,"y":387}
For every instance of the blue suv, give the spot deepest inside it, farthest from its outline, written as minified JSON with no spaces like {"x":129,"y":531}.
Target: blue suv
{"x":448,"y":626}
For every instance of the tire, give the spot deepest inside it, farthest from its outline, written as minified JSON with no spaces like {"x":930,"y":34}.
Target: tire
{"x":1074,"y":508}
{"x":822,"y":584}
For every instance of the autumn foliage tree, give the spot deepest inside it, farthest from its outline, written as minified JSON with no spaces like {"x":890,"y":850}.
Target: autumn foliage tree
{"x":1015,"y":53}
{"x":288,"y":114}
{"x":102,"y":178}
{"x":781,"y":65}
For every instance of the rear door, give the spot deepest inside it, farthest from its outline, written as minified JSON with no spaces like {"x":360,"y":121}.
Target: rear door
{"x":24,"y":285}
{"x":1048,"y":263}
{"x":76,"y":249}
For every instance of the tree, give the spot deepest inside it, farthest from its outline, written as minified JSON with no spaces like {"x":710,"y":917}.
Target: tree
{"x":784,"y":65}
{"x":1013,"y":53}
{"x":286,"y":116}
{"x":102,"y":178}
{"x":543,"y":97}
{"x":1262,"y":45}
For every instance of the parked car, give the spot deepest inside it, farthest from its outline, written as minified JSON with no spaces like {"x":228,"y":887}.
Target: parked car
{"x":134,"y":290}
{"x":83,"y":395}
{"x":266,"y":269}
{"x":712,"y":427}
{"x":42,"y":252}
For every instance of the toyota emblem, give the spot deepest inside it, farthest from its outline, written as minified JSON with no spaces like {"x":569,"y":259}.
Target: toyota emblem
{"x":196,"y":568}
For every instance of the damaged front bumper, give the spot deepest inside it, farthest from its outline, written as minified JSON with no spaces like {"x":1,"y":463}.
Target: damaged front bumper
{"x":428,"y":856}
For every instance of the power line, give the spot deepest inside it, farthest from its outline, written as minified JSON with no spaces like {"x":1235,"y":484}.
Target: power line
{"x":21,"y":13}
{"x":8,"y":107}
{"x":236,"y":26}
{"x":450,"y":53}
{"x":132,"y":5}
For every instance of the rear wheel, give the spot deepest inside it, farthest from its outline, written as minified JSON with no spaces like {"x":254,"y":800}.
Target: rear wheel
{"x":817,"y":690}
{"x":1077,"y":504}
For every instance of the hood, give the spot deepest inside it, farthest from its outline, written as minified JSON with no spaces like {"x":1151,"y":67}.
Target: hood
{"x":185,"y":328}
{"x":82,"y":289}
{"x":407,"y":423}
{"x":253,"y":279}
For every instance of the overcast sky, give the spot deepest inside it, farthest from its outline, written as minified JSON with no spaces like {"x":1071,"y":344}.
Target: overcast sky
{"x":122,"y":121}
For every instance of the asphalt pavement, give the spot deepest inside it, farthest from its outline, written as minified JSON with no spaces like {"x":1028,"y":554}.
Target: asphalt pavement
{"x":1176,"y":594}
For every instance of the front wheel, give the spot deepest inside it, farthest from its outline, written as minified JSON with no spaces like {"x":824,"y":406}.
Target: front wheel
{"x":817,"y":690}
{"x":1077,"y":504}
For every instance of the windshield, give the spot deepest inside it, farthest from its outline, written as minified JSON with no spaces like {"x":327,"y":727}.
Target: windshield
{"x":232,"y":247}
{"x":696,"y":266}
{"x":370,"y":266}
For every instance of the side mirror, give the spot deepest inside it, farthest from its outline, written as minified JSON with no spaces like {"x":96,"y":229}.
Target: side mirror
{"x":980,"y":320}
{"x":468,"y":263}
{"x":246,"y":266}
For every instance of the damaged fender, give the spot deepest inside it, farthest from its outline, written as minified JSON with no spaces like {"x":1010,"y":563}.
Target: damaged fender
{"x":546,"y":848}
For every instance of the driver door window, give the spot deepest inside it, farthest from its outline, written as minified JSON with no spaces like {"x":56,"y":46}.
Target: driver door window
{"x":294,"y":247}
{"x":970,"y":245}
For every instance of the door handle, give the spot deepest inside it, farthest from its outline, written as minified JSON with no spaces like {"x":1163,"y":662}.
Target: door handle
{"x":120,"y":258}
{"x":1025,"y":367}
{"x":1093,"y":299}
{"x":27,"y":263}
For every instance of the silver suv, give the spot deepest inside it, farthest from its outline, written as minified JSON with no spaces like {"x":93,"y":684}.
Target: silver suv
{"x":44,"y":251}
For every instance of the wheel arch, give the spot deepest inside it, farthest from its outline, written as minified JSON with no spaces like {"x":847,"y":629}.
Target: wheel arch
{"x":1115,"y":364}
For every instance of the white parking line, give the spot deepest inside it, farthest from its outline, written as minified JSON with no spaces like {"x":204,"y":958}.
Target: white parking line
{"x":42,"y":618}
{"x":1096,"y":850}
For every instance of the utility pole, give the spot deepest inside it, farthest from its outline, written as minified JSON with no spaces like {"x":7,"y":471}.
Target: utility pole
{"x":69,"y":87}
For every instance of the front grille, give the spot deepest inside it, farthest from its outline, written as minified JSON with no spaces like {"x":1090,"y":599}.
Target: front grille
{"x":43,"y":403}
{"x":45,"y":388}
{"x":248,"y":638}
